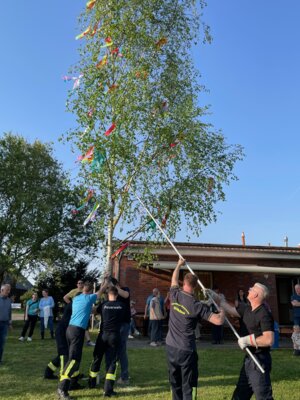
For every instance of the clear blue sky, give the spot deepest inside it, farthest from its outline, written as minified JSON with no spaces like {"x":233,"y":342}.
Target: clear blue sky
{"x":251,"y":70}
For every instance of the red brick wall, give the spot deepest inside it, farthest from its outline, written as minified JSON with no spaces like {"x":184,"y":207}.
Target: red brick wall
{"x":141,"y":282}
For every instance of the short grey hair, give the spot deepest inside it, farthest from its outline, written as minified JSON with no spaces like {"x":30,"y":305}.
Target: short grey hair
{"x":4,"y":285}
{"x":264,"y":289}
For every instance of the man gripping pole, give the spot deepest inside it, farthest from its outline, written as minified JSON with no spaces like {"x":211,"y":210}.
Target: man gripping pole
{"x":209,"y":293}
{"x":185,"y":312}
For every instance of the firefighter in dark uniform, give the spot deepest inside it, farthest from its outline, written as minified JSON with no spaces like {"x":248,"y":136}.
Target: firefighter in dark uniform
{"x":185,"y":312}
{"x":109,"y":338}
{"x":62,"y":345}
{"x":61,"y":359}
{"x":81,"y":311}
{"x":260,"y":324}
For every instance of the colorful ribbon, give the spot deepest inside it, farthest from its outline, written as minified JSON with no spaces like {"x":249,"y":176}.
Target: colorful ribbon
{"x":76,"y":80}
{"x":108,"y":42}
{"x":89,"y":155}
{"x":102,"y":62}
{"x":120,"y":249}
{"x":92,"y":214}
{"x":83,"y":34}
{"x":110,"y":130}
{"x":90,"y":4}
{"x":97,"y":162}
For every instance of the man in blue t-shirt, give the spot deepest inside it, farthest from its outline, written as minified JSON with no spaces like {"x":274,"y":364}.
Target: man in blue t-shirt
{"x":295,"y":300}
{"x":81,"y":310}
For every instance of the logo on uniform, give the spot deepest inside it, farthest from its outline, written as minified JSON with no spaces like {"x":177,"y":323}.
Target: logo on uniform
{"x":180,"y":308}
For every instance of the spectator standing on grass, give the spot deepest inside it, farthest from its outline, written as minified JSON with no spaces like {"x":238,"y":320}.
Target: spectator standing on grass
{"x":5,"y":315}
{"x":182,"y":356}
{"x":295,"y":300}
{"x":69,"y":297}
{"x":156,"y":317}
{"x":31,"y":316}
{"x":46,"y":306}
{"x":296,"y":340}
{"x":241,"y":301}
{"x":133,"y":330}
{"x":147,"y":310}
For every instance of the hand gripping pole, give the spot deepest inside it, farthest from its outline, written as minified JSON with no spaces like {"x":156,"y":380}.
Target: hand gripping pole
{"x":199,"y":282}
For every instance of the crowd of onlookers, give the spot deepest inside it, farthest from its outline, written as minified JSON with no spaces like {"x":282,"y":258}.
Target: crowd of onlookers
{"x":155,"y":316}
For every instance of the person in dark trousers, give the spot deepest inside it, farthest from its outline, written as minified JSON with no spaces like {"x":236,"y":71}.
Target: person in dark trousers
{"x":185,"y":312}
{"x":124,"y":298}
{"x":260,"y":325}
{"x":59,"y":362}
{"x":109,"y":339}
{"x":31,"y":317}
{"x":5,"y":315}
{"x":295,"y":301}
{"x":81,"y":310}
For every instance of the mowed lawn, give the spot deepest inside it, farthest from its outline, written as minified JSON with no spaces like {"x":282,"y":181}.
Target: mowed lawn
{"x":21,"y":375}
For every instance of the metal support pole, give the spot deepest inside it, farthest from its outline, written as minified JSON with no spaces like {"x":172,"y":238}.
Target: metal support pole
{"x":199,"y":282}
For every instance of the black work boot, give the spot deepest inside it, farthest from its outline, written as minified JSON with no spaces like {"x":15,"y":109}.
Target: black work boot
{"x":49,"y":374}
{"x":74,"y":385}
{"x":92,"y":383}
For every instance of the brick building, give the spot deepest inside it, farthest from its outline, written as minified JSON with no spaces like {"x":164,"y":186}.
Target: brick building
{"x":228,"y":266}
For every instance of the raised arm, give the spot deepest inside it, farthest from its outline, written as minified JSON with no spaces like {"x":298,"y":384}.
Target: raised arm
{"x":175,"y":275}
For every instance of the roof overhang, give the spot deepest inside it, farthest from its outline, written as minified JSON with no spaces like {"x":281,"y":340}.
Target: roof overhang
{"x":211,"y":267}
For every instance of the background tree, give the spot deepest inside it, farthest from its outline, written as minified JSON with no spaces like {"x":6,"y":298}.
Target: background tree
{"x":140,"y":127}
{"x":37,"y":227}
{"x":60,"y":280}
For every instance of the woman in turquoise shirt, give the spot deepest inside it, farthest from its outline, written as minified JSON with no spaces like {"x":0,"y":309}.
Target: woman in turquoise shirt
{"x":46,"y":313}
{"x":31,"y":316}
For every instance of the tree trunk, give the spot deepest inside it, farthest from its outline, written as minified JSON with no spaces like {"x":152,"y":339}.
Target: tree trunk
{"x":109,"y":248}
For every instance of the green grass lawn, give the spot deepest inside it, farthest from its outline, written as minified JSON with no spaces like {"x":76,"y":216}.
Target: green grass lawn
{"x":21,"y":375}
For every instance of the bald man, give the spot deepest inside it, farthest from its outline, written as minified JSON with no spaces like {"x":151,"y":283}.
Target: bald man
{"x":260,"y":324}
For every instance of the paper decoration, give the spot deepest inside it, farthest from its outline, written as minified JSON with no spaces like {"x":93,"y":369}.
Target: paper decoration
{"x":161,"y":42}
{"x":108,"y":42}
{"x":89,"y":196}
{"x":102,"y":62}
{"x":90,"y":4}
{"x":92,"y":214}
{"x":151,"y":225}
{"x":88,"y":155}
{"x":120,"y":249}
{"x":76,"y":80}
{"x":83,"y":34}
{"x":97,"y":162}
{"x":89,"y":31}
{"x":110,"y":130}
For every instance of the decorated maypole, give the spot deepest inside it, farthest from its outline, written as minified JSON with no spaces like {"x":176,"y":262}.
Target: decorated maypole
{"x":140,"y":128}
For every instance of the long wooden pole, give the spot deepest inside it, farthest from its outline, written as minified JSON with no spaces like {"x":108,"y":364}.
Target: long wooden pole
{"x":199,"y":282}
